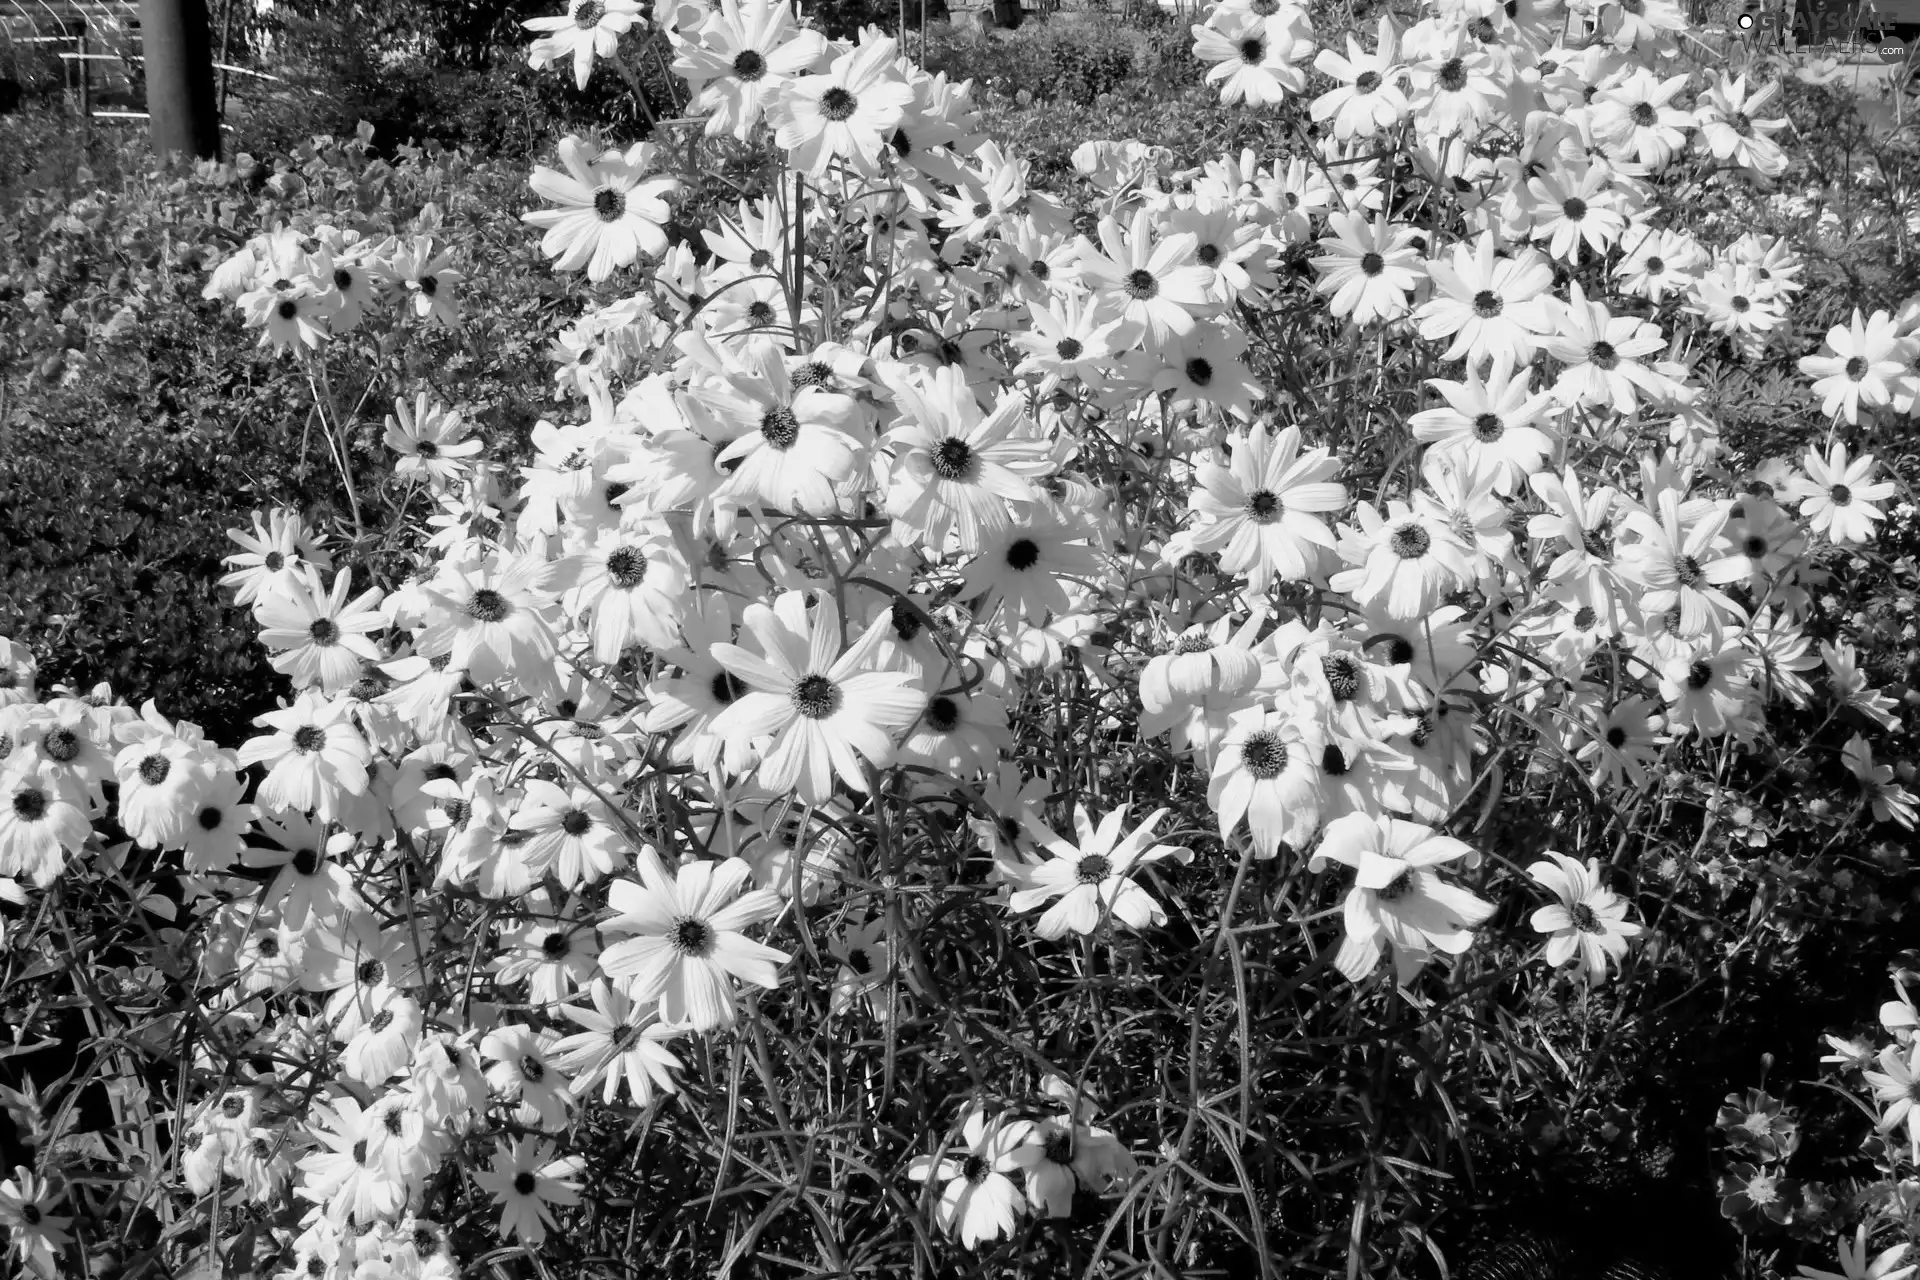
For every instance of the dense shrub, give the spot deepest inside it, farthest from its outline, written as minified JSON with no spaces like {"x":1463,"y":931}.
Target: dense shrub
{"x":1284,"y":1109}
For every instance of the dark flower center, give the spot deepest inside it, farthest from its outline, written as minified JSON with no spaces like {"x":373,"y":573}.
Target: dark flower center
{"x":1410,"y":541}
{"x":287,"y":309}
{"x":1487,"y":304}
{"x":323,"y":632}
{"x":370,"y":973}
{"x":587,"y":14}
{"x":1023,"y":554}
{"x":726,"y":687}
{"x":760,"y":312}
{"x":275,"y":561}
{"x":488,"y":605}
{"x":1208,"y":254}
{"x":1740,"y":304}
{"x":360,"y":1152}
{"x":1253,"y":51}
{"x":1094,"y":868}
{"x":381,"y":1021}
{"x":1574,"y":209}
{"x":1199,"y":371}
{"x":1398,"y":887}
{"x":1655,"y":265}
{"x":943,"y":714}
{"x":556,"y":945}
{"x":523,"y":1183}
{"x":1264,"y":507}
{"x":749,"y":65}
{"x":61,"y":744}
{"x":627,"y":567}
{"x":1264,"y":754}
{"x":609,"y":204}
{"x":1616,"y":737}
{"x":309,"y":738}
{"x":692,"y":937}
{"x":952,"y":459}
{"x":975,"y":1169}
{"x":576,"y":822}
{"x":1068,"y":348}
{"x":906,"y":623}
{"x":1584,"y":920}
{"x":837,"y":104}
{"x":1367,"y":83}
{"x":1602,"y":355}
{"x":816,"y":697}
{"x":1487,"y":428}
{"x":1584,"y":617}
{"x":429,"y":285}
{"x":780,"y":427}
{"x":1644,"y":114}
{"x":31,"y":805}
{"x":1856,"y":368}
{"x":1058,"y":1147}
{"x":1453,"y":75}
{"x":1700,"y":674}
{"x":426,"y":448}
{"x":860,"y":960}
{"x":531,"y":1068}
{"x":1840,"y":495}
{"x":154,"y":769}
{"x":1372,"y":264}
{"x":1343,"y":676}
{"x":1333,"y":761}
{"x":1141,"y":285}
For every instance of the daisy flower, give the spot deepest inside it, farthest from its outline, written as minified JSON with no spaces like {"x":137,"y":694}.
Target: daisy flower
{"x":430,"y":281}
{"x":1260,"y":513}
{"x":1368,"y":268}
{"x":431,"y":440}
{"x":275,"y":557}
{"x":1497,"y":423}
{"x":866,"y":965}
{"x":349,"y":1176}
{"x":526,"y":1180}
{"x":1897,"y":1084}
{"x":1074,"y":1153}
{"x":979,"y":1201}
{"x":315,"y":757}
{"x":1021,"y":567}
{"x":740,"y":58}
{"x":1841,"y":495}
{"x":1368,"y":100}
{"x":793,"y":445}
{"x":1155,"y":288}
{"x":37,"y":1235}
{"x":1705,"y":687}
{"x":956,"y":468}
{"x":959,"y":737}
{"x":1870,"y":363}
{"x":1657,"y":262}
{"x":1589,"y":924}
{"x":824,"y":710}
{"x":846,"y":114}
{"x":1729,"y":127}
{"x":1093,"y":878}
{"x":570,"y":833}
{"x":1622,"y":747}
{"x":308,"y":879}
{"x":523,"y":1073}
{"x":610,"y":211}
{"x":1490,"y":307}
{"x":687,"y":943}
{"x":634,"y":584}
{"x":1603,"y":353}
{"x":383,"y":1046}
{"x":622,"y":1042}
{"x":549,"y":951}
{"x":1255,"y":58}
{"x":1267,"y":772}
{"x":1572,"y":204}
{"x":588,"y":29}
{"x":1684,"y":560}
{"x":1398,"y":902}
{"x":40,"y":825}
{"x":1404,"y":561}
{"x":491,"y":619}
{"x":1067,"y":336}
{"x":320,"y":638}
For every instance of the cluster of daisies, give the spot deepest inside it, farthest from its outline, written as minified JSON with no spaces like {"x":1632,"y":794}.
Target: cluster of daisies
{"x":300,"y":290}
{"x":857,"y":477}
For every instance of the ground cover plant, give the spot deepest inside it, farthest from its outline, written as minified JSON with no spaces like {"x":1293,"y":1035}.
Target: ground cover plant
{"x":1219,"y":713}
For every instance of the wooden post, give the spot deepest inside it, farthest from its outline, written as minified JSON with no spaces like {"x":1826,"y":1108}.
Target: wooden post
{"x":86,"y":91}
{"x":179,"y":59}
